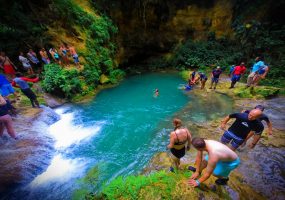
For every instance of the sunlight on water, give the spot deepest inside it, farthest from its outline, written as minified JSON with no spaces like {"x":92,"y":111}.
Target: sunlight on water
{"x":59,"y":170}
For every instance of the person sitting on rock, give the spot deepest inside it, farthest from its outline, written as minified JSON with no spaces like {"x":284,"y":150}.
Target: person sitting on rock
{"x":5,"y":118}
{"x":178,"y":140}
{"x":220,"y":161}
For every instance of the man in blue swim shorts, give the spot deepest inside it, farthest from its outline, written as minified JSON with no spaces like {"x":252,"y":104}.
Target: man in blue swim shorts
{"x":219,"y":162}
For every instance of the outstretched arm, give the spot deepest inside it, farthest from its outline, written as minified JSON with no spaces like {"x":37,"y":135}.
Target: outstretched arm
{"x":209,"y":170}
{"x":198,"y":162}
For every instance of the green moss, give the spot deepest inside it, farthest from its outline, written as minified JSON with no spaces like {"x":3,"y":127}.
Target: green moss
{"x":257,"y":92}
{"x":159,"y":185}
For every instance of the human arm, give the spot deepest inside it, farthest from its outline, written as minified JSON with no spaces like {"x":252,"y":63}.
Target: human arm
{"x":209,"y":170}
{"x":224,"y":122}
{"x":189,"y":139}
{"x":197,"y":164}
{"x":256,"y":138}
{"x":171,"y":141}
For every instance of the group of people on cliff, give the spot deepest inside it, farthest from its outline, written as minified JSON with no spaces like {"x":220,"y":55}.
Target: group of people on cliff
{"x":220,"y":159}
{"x":258,"y":71}
{"x":31,"y":60}
{"x":12,"y":77}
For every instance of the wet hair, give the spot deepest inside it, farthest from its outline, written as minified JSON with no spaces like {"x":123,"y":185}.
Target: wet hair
{"x":260,"y":107}
{"x":198,"y":143}
{"x":18,"y":74}
{"x":177,"y":122}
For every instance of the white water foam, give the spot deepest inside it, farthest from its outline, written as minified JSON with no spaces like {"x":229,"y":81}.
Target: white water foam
{"x":59,"y":170}
{"x":65,"y":134}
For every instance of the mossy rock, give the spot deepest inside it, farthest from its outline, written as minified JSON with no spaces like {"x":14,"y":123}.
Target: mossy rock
{"x":160,"y":185}
{"x":257,"y":92}
{"x":104,"y":79}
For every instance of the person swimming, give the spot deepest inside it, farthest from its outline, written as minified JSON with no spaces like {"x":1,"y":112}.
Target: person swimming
{"x":156,"y":93}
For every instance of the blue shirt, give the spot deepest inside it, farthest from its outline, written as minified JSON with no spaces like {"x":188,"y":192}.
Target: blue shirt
{"x":21,"y":83}
{"x":3,"y":80}
{"x":257,"y":66}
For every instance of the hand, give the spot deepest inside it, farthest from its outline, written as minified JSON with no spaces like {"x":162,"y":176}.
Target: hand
{"x":192,"y":183}
{"x":263,"y":77}
{"x":269,"y":132}
{"x":251,"y":145}
{"x":195,"y":175}
{"x":223,"y":126}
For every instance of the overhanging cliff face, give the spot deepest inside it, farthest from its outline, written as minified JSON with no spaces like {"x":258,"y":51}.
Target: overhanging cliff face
{"x":149,"y":27}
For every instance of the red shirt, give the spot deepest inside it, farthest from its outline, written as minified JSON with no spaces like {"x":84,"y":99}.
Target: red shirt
{"x":239,"y":70}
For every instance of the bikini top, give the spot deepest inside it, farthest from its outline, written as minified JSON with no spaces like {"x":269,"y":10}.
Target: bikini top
{"x":180,"y":143}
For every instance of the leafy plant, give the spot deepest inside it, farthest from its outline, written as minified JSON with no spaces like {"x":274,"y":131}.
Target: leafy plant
{"x":61,"y":82}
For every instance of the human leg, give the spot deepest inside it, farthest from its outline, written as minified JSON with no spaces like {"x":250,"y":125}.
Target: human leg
{"x":7,"y":121}
{"x":1,"y":128}
{"x":223,"y":170}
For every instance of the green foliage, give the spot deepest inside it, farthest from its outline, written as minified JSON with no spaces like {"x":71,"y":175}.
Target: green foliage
{"x":204,"y":53}
{"x":61,"y":82}
{"x":88,"y":184}
{"x":116,"y":75}
{"x":159,"y":185}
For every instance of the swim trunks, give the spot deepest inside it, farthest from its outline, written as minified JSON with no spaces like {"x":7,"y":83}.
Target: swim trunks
{"x":224,"y":168}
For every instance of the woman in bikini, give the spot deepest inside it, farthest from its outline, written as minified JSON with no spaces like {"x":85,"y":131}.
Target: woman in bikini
{"x":180,"y":141}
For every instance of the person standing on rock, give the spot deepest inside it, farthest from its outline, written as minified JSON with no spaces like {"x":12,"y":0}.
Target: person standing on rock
{"x":237,"y":73}
{"x":239,"y":130}
{"x":20,"y":81}
{"x":254,"y":75}
{"x":215,"y":77}
{"x":219,"y":162}
{"x":180,"y":141}
{"x":203,"y":79}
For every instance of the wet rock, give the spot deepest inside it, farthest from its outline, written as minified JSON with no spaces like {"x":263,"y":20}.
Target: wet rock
{"x":53,"y":101}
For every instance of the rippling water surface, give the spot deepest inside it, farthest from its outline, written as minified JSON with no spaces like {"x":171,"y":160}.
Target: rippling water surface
{"x":120,"y":130}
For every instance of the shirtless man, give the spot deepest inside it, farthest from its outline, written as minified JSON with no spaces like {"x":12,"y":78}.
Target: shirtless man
{"x":7,"y":65}
{"x":74,"y":55}
{"x":219,"y":161}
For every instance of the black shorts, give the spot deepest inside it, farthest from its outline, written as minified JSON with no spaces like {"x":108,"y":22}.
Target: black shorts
{"x":178,"y":153}
{"x":29,"y":93}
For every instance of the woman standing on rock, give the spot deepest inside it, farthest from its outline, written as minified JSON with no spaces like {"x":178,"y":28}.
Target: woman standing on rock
{"x":178,"y":140}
